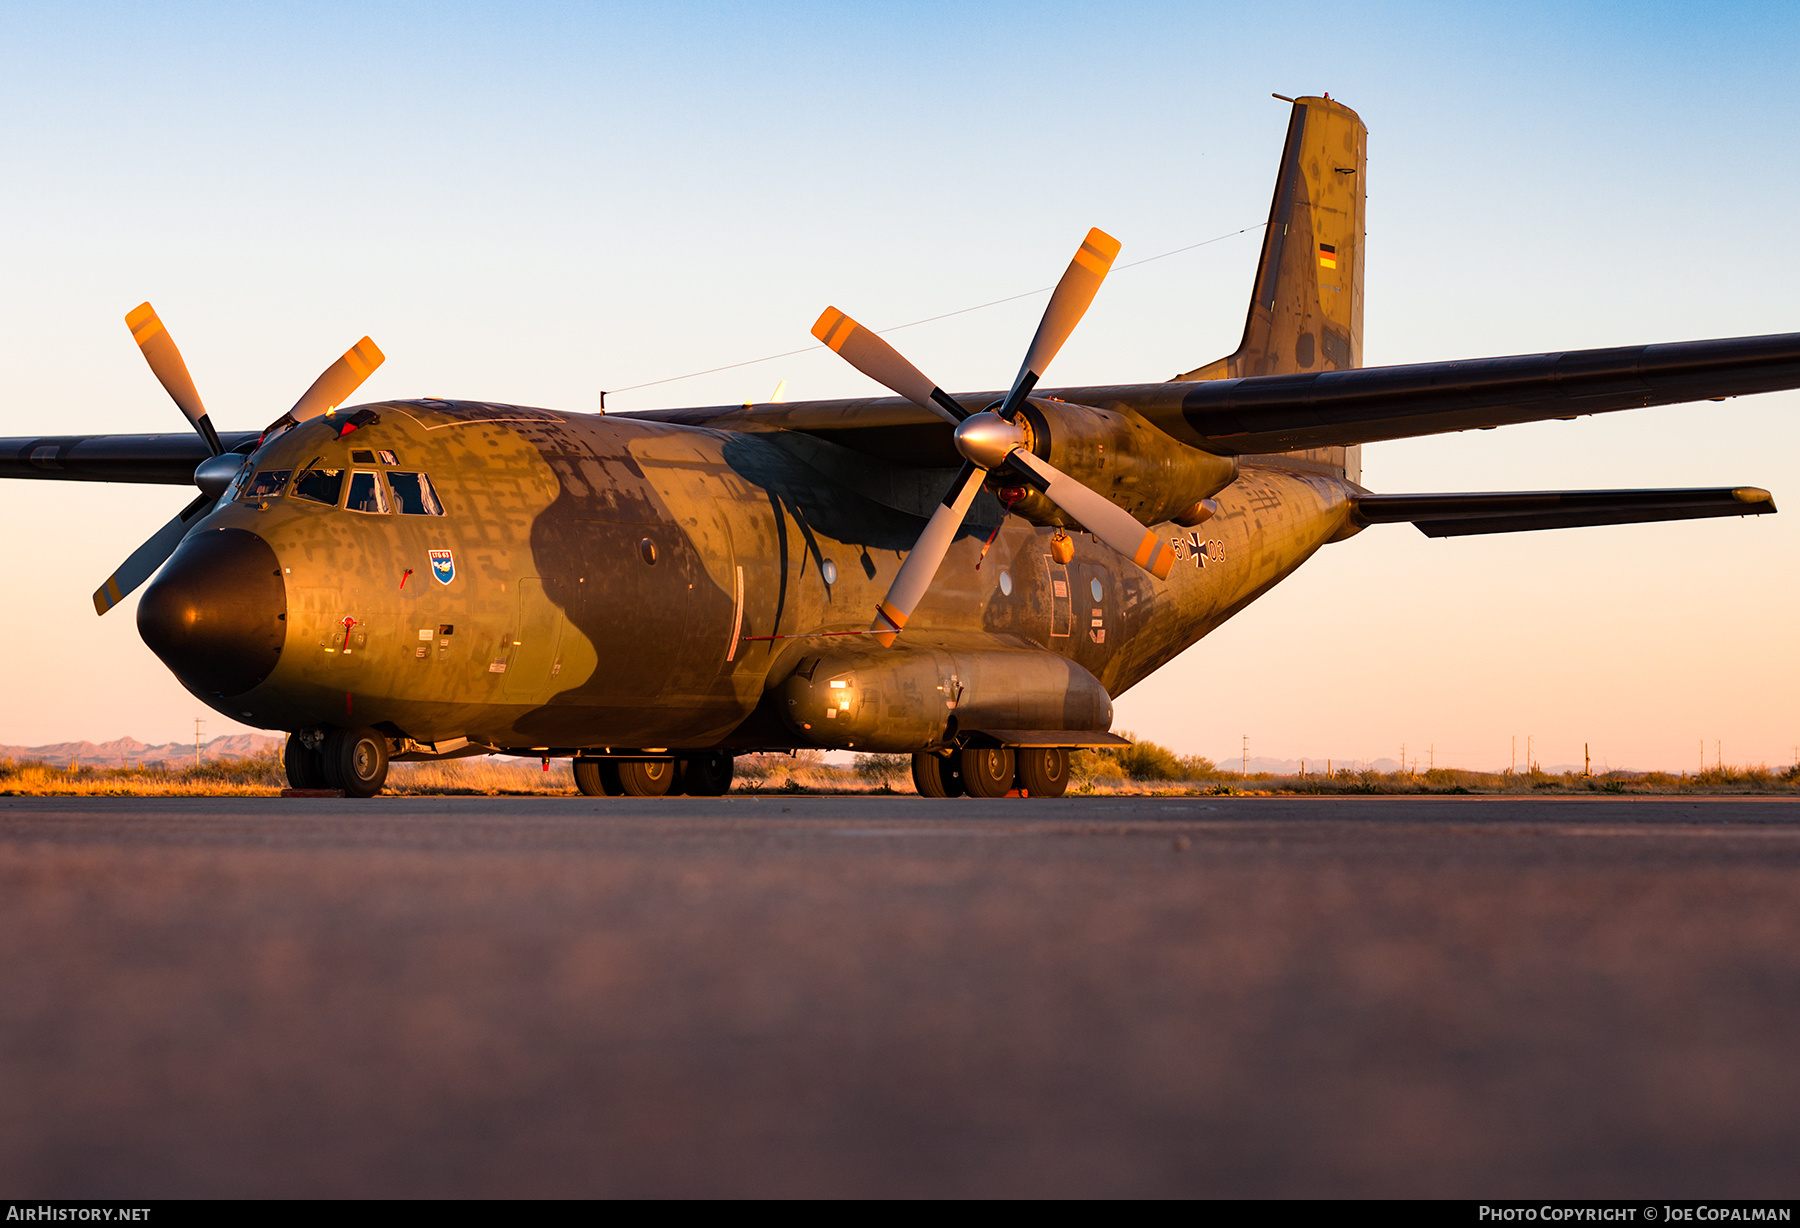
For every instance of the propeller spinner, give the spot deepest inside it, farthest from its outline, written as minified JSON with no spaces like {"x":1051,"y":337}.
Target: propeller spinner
{"x":214,"y":473}
{"x":995,"y":440}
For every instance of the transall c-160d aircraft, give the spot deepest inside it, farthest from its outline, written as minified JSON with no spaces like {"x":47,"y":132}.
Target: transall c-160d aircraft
{"x":968,"y":578}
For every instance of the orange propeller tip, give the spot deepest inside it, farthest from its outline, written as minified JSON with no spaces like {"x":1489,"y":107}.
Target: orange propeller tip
{"x":1103,"y":242}
{"x":826,"y":322}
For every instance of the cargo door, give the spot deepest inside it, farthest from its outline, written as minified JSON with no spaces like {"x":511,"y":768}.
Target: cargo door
{"x":1060,"y":603}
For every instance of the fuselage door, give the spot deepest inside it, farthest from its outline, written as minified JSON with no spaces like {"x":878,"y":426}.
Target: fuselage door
{"x":537,"y":632}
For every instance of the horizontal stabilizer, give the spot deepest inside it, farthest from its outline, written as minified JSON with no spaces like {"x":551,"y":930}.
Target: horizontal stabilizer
{"x":1518,"y":512}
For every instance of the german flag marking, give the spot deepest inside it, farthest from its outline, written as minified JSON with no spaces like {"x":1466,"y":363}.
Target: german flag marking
{"x":1327,"y":256}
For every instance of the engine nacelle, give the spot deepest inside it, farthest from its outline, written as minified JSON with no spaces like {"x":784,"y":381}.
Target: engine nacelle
{"x":1118,"y":454}
{"x":916,"y":697}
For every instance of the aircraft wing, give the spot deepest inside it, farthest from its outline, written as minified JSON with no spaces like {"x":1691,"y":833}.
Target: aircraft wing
{"x":1460,"y":515}
{"x":167,"y":460}
{"x":1281,"y":413}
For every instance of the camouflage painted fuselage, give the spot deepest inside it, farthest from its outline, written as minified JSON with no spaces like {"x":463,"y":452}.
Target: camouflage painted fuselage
{"x":556,"y":630}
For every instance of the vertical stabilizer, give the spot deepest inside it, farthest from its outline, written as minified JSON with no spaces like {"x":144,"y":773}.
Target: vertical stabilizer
{"x":1306,"y":307}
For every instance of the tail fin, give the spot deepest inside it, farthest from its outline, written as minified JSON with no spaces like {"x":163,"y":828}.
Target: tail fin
{"x":1306,"y":311}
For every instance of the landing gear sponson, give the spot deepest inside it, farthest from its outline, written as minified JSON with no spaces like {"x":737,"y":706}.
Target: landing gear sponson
{"x":356,"y":762}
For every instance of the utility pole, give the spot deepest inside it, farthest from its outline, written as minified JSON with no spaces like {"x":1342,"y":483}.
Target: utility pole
{"x":1587,"y":761}
{"x":197,"y":723}
{"x":1431,"y":757}
{"x":1244,"y":759}
{"x":1719,"y":755}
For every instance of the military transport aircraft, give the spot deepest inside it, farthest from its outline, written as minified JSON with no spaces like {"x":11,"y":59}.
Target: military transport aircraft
{"x":967,"y":578}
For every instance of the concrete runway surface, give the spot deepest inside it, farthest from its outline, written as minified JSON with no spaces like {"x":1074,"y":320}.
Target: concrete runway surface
{"x":889,"y":996}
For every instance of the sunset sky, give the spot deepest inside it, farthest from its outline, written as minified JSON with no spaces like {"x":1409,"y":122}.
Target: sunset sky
{"x":531,"y":203}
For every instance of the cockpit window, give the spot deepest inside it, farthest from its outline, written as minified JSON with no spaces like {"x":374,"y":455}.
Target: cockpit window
{"x":366,"y":494}
{"x":320,"y":486}
{"x":373,"y":456}
{"x":414,"y":496}
{"x":236,"y":489}
{"x":266,"y":485}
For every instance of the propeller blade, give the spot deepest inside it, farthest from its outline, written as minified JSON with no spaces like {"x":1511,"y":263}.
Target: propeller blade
{"x":148,"y":557}
{"x":882,"y":363}
{"x":1068,"y":303}
{"x":170,"y":371}
{"x":341,"y":378}
{"x":1103,"y":518}
{"x":921,"y":564}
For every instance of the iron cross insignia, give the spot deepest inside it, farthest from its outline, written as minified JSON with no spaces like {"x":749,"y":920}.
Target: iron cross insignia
{"x":1197,"y":550}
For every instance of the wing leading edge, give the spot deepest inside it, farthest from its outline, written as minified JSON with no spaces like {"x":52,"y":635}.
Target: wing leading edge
{"x":1459,"y":515}
{"x":165,"y":459}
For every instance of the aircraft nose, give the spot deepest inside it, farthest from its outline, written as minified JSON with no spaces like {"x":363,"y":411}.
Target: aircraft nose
{"x":217,"y":612}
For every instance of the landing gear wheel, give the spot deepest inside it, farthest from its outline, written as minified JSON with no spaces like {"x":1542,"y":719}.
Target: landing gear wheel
{"x":356,"y":761}
{"x":987,"y":771}
{"x":937,"y":775}
{"x":707,"y":775}
{"x":1043,"y":770}
{"x":646,"y":777}
{"x":597,"y":778}
{"x":305,"y":766}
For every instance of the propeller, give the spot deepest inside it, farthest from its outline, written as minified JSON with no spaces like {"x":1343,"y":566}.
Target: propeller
{"x":170,"y":371}
{"x":214,"y":474}
{"x":992,"y":440}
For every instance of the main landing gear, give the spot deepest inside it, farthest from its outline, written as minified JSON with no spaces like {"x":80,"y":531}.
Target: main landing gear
{"x":989,"y":771}
{"x":702,"y":775}
{"x":354,"y":760}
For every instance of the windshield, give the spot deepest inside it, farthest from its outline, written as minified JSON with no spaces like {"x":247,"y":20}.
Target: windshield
{"x":266,"y":485}
{"x":413,"y":495}
{"x":320,"y":486}
{"x":366,"y":494}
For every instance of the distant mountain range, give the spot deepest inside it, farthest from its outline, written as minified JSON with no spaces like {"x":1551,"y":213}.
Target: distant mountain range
{"x":129,"y":752}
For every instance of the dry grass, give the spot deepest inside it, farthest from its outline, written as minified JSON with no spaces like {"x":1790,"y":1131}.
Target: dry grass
{"x":259,"y":776}
{"x":1144,"y":770}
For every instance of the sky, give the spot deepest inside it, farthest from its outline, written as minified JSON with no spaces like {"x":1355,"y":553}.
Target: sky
{"x":535,"y":202}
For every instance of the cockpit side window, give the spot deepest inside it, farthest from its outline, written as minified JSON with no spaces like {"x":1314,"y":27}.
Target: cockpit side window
{"x":236,"y":489}
{"x":366,"y":494}
{"x":320,"y":486}
{"x":414,"y":496}
{"x":266,"y":485}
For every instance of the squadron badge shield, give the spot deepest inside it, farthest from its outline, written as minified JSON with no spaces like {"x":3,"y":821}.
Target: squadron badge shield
{"x":443,"y":566}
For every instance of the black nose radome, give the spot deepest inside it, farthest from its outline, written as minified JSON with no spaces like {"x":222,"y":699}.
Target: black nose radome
{"x":217,"y":612}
